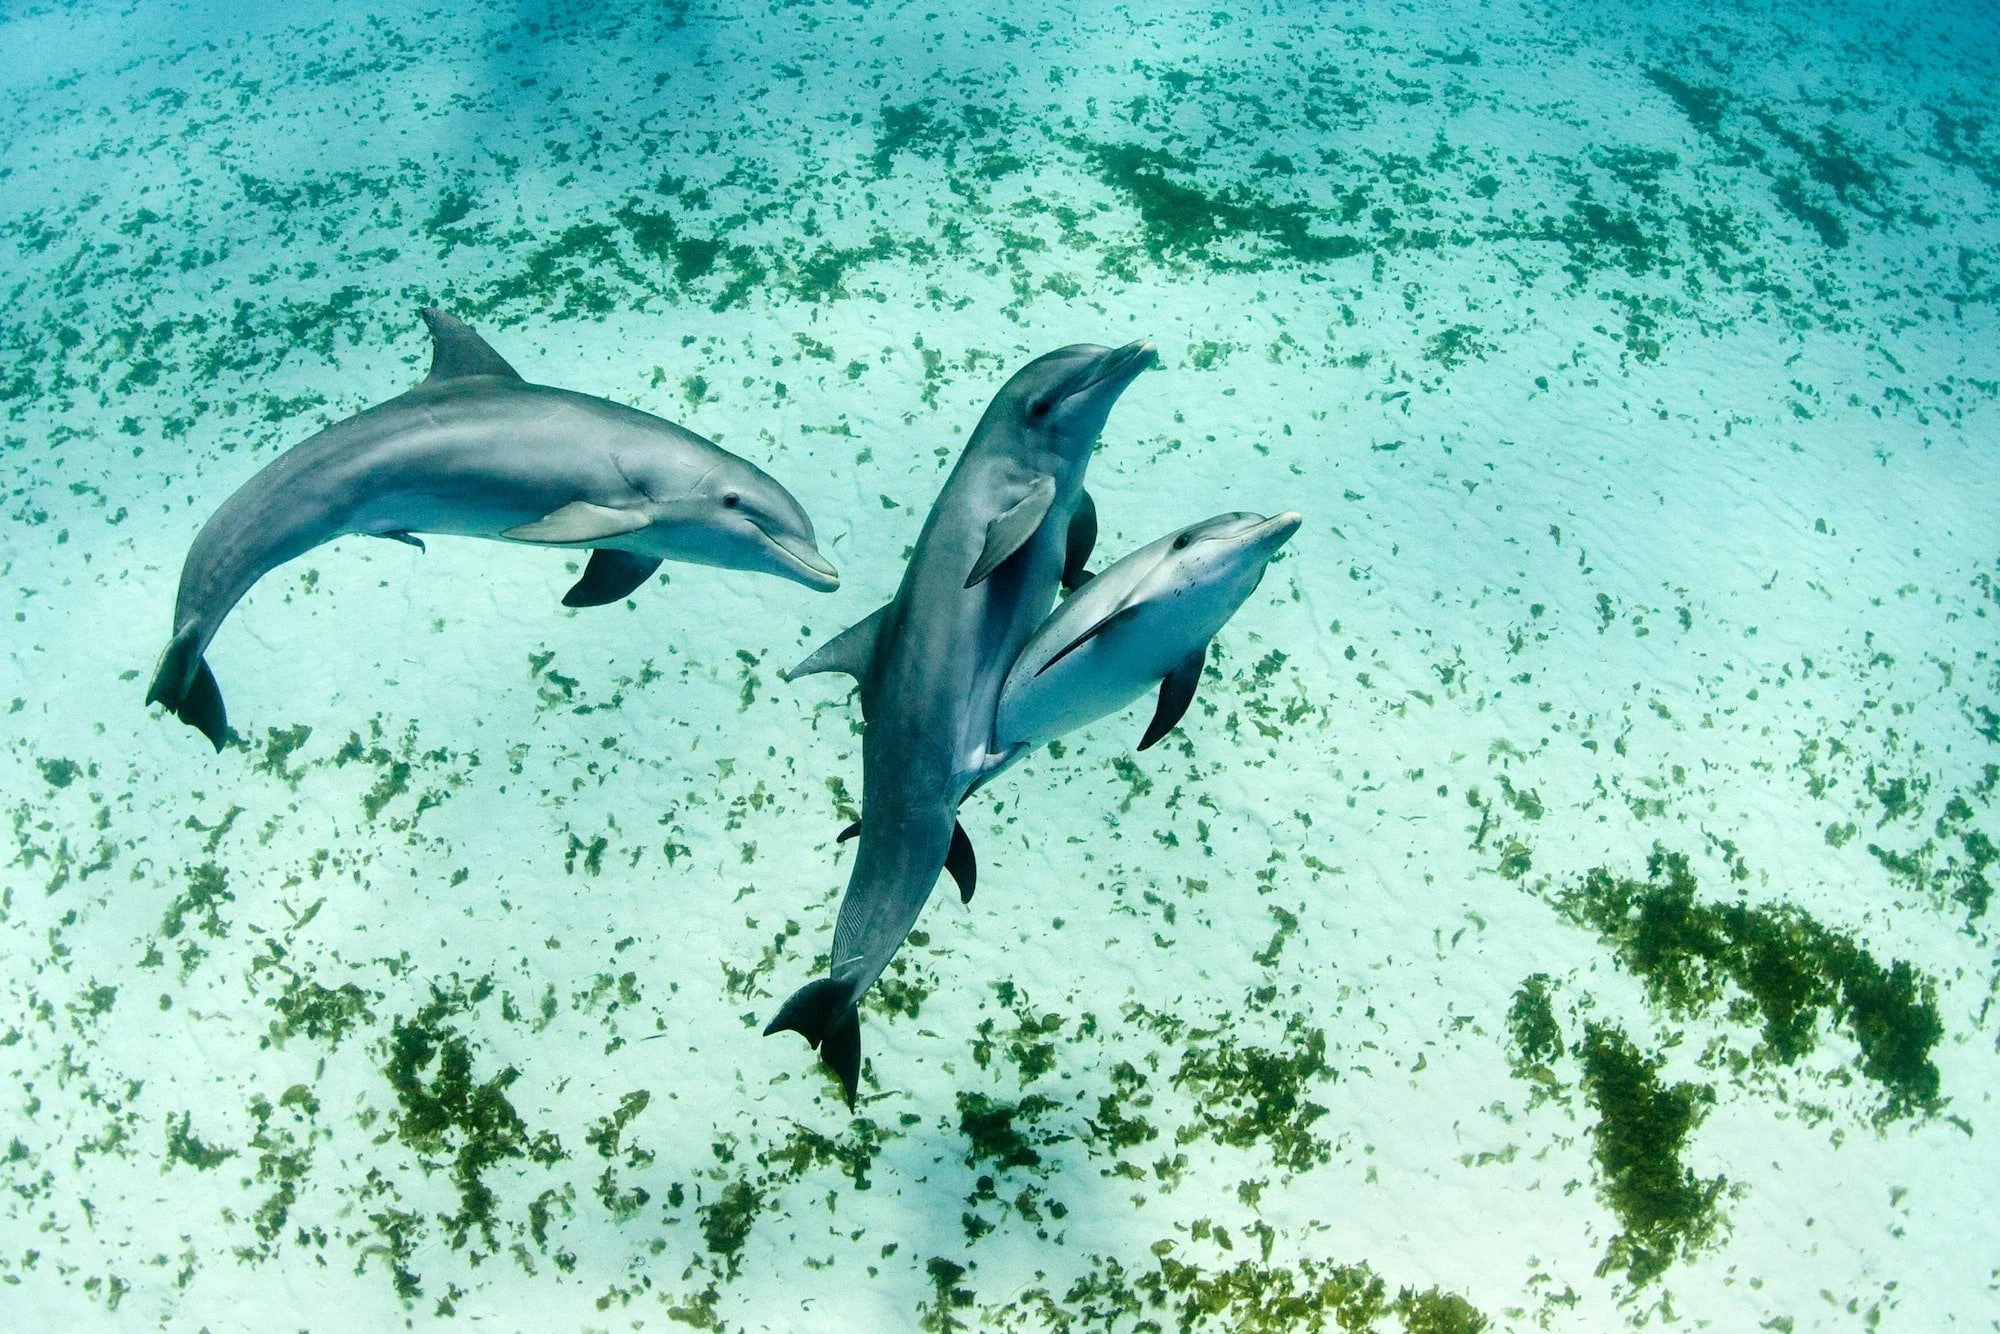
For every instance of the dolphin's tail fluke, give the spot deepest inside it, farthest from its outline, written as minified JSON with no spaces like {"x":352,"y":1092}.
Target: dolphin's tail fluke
{"x":184,"y":684}
{"x":824,"y":1013}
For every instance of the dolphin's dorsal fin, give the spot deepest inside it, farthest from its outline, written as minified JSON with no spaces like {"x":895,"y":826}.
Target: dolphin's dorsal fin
{"x":1011,"y":530}
{"x":851,"y":651}
{"x":457,"y":351}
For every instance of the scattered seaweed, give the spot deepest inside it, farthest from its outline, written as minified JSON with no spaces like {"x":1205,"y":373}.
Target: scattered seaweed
{"x":449,"y":1119}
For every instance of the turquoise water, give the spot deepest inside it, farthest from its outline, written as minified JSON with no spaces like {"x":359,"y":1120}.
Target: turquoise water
{"x":1565,"y":905}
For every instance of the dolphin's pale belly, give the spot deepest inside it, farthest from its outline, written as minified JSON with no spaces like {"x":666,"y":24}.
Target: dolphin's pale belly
{"x":1095,"y":681}
{"x":467,"y":512}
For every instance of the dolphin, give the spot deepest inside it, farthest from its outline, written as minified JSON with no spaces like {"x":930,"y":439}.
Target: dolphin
{"x":1148,"y":618}
{"x":1012,"y":519}
{"x":475,"y":450}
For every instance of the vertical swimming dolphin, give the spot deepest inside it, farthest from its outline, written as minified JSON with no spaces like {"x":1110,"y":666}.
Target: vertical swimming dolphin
{"x":476,"y":450}
{"x":1012,"y":520}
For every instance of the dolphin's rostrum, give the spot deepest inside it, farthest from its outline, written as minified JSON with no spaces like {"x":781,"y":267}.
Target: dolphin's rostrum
{"x":1011,"y":522}
{"x":475,"y":450}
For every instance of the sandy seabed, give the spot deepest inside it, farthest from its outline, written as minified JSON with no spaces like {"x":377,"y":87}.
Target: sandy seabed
{"x":1565,"y":906}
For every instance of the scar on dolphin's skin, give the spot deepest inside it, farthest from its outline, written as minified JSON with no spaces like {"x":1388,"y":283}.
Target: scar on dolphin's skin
{"x":476,"y":451}
{"x":1011,"y":523}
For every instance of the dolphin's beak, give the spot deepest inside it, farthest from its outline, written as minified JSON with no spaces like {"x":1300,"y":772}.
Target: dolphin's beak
{"x":1115,"y":370}
{"x":1274,"y":532}
{"x":804,"y":564}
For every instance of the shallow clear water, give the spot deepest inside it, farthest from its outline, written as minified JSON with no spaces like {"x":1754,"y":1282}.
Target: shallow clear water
{"x":1565,"y":905}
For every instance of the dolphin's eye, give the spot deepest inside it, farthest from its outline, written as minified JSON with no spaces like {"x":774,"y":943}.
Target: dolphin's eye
{"x":1180,"y":543}
{"x":730,"y":500}
{"x":1039,"y":409}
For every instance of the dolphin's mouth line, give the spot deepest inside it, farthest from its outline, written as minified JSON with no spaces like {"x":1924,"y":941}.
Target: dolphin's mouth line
{"x":1122,"y":365}
{"x":1280,"y":526}
{"x":1273,"y":532}
{"x":807,"y":561}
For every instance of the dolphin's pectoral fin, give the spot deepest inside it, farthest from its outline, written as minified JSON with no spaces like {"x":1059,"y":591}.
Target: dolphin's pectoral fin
{"x":850,"y":651}
{"x":185,"y":685}
{"x":404,"y":536}
{"x":958,"y":858}
{"x":1118,"y":617}
{"x":578,"y":521}
{"x":611,"y":575}
{"x":1012,"y":529}
{"x":1176,"y":693}
{"x":1082,"y":541}
{"x":457,"y":351}
{"x":961,"y":863}
{"x":823,"y":1013}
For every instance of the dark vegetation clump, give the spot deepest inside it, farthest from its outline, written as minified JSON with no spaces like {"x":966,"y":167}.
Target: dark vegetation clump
{"x":1643,"y":1125}
{"x":1531,"y":1021}
{"x":1788,"y":969}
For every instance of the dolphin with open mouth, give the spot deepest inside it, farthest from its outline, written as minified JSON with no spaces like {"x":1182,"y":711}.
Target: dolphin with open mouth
{"x":1012,"y":520}
{"x":1147,"y":619}
{"x":477,"y":451}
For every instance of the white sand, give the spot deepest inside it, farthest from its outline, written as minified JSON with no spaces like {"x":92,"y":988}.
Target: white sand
{"x":1638,"y":677}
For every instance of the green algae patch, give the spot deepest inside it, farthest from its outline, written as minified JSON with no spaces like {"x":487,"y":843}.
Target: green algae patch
{"x":1787,"y":969}
{"x":1453,"y":347}
{"x":1791,"y":195}
{"x":282,"y":1158}
{"x":935,"y":1316}
{"x":279,"y":746}
{"x":1531,"y":1022}
{"x":1005,"y":1134}
{"x":1665,"y":1211}
{"x":609,"y":1130}
{"x":1248,"y":1095}
{"x":324,"y":1014}
{"x":1251,"y":1297}
{"x":184,"y":1146}
{"x":1185,"y":222}
{"x":727,"y":1220}
{"x":59,"y":773}
{"x":853,"y":1151}
{"x":449,"y":1119}
{"x":199,"y":905}
{"x":1703,"y":107}
{"x":1116,"y":1126}
{"x":1954,"y":865}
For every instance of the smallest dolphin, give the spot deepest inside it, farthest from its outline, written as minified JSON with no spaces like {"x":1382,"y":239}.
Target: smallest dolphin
{"x":1148,"y":618}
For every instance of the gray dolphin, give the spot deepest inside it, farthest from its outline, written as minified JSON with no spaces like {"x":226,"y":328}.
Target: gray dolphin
{"x":1012,"y":518}
{"x":477,"y":451}
{"x":1146,"y":619}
